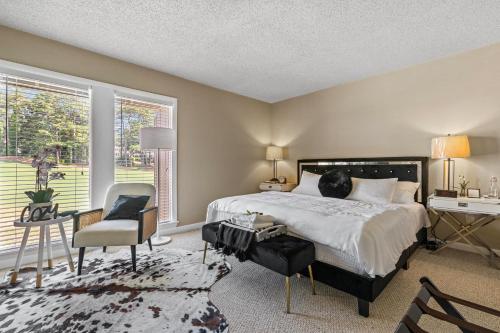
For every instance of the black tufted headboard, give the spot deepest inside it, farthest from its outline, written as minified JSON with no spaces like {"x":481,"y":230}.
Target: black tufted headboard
{"x":404,"y":168}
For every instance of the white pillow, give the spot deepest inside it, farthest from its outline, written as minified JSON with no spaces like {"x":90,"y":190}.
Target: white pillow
{"x":405,"y":192}
{"x":308,"y":184}
{"x":373,"y":190}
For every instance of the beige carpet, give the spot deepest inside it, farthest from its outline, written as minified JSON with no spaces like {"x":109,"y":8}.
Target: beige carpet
{"x":252,"y":297}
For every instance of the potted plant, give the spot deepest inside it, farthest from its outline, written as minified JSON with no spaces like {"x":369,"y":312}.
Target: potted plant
{"x":463,"y":185}
{"x":40,"y":207}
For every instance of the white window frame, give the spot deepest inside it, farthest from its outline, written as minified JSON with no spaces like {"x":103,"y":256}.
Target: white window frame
{"x":35,"y":73}
{"x":159,"y":99}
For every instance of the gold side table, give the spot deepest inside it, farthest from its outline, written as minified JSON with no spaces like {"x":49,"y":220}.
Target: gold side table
{"x":44,"y":236}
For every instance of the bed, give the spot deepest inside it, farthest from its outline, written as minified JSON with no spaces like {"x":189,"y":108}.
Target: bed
{"x":360,"y":246}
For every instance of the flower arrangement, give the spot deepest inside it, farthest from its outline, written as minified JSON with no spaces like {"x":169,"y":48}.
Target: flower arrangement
{"x":463,"y":183}
{"x":43,"y":163}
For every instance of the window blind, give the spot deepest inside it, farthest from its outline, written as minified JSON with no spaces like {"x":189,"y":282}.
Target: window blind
{"x":131,"y":163}
{"x":35,"y":115}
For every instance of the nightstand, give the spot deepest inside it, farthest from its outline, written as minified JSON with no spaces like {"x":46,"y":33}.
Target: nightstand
{"x":482,"y":211}
{"x":287,"y":187}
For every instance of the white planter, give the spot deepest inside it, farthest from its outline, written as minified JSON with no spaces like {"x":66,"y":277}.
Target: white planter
{"x":35,"y":214}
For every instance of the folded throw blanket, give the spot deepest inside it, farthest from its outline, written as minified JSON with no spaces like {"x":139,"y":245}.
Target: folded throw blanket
{"x":234,"y":239}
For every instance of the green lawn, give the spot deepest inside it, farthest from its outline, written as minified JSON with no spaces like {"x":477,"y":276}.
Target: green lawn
{"x":73,"y":193}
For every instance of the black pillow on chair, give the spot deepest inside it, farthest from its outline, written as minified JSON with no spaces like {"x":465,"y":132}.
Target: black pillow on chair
{"x":335,"y":184}
{"x":127,"y":207}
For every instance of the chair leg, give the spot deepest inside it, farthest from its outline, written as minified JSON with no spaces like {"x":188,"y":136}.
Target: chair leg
{"x":150,"y":244}
{"x":81,"y":253}
{"x":104,"y":249}
{"x":287,"y":291}
{"x":132,"y":248}
{"x":312,"y":279}
{"x":205,"y":252}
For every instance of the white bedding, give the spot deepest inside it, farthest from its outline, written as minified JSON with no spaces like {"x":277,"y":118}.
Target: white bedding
{"x":374,"y":235}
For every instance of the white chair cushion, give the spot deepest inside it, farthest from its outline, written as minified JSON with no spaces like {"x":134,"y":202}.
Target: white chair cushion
{"x":108,"y":233}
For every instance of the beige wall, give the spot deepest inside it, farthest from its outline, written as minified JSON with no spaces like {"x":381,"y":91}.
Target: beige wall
{"x":221,"y":136}
{"x":397,"y":114}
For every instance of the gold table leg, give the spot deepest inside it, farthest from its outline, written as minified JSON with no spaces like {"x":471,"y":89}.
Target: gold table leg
{"x":287,"y":291}
{"x":312,"y":279}
{"x":38,"y":280}
{"x":13,"y":278}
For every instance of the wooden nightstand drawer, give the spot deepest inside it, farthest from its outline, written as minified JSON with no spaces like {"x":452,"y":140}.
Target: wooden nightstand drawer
{"x":277,"y":187}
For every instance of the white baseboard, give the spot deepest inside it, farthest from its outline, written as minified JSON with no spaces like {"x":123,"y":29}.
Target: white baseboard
{"x":469,"y":248}
{"x":171,"y":229}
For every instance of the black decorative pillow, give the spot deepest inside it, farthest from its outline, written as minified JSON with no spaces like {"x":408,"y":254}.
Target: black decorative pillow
{"x":335,"y":184}
{"x":127,"y":207}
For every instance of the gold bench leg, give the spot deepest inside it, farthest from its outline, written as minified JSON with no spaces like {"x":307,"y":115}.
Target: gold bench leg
{"x":287,"y":290}
{"x":205,"y":252}
{"x":312,"y":279}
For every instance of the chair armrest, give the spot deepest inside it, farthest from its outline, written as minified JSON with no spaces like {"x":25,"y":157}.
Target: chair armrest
{"x":147,"y":223}
{"x":81,"y":220}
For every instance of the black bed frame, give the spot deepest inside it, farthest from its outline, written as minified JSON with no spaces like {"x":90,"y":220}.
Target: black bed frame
{"x":414,"y":169}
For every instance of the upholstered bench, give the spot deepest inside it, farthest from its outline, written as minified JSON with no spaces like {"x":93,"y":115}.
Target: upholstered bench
{"x":283,"y":254}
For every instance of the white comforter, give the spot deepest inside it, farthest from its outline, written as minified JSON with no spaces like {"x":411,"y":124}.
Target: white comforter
{"x":374,"y":234}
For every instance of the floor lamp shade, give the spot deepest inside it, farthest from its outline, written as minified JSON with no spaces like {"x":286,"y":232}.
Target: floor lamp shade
{"x":157,"y":138}
{"x":448,"y":147}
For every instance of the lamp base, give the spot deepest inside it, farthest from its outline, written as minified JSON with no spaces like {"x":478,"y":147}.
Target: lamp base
{"x":162,"y":240}
{"x":445,"y":193}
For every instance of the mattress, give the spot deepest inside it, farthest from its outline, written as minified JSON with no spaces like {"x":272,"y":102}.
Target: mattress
{"x":363,"y":238}
{"x":340,"y":259}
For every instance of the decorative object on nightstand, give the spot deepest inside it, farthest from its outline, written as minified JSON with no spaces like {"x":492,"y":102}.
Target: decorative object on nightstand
{"x":158,"y":138}
{"x":448,"y":147}
{"x":493,"y":194}
{"x":287,"y":187}
{"x":473,"y":193}
{"x":282,"y":180}
{"x":275,"y":154}
{"x":482,"y":211}
{"x":463,"y":183}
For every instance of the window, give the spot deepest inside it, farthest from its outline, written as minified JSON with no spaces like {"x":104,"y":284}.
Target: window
{"x":35,"y":115}
{"x":131,"y":163}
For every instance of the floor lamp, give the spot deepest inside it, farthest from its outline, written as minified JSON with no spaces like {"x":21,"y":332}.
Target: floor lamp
{"x":158,"y":138}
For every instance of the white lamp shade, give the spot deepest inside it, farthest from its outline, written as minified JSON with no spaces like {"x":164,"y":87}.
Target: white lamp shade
{"x":157,"y":138}
{"x":274,"y":153}
{"x":451,"y":146}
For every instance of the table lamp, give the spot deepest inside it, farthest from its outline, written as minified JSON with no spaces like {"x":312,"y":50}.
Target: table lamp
{"x":158,"y":138}
{"x":448,"y":147}
{"x":275,"y":154}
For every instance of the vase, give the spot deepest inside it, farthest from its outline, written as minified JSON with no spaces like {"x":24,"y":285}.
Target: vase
{"x":41,"y":211}
{"x":462,"y":192}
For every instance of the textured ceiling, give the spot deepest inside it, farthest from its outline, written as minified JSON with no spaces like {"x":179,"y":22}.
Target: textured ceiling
{"x":268,"y":50}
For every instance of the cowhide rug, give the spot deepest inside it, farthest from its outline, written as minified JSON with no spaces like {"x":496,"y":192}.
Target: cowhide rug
{"x":168,"y":293}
